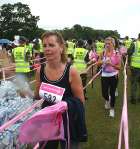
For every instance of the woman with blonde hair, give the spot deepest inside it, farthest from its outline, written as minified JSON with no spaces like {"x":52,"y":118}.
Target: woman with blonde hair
{"x":110,"y":61}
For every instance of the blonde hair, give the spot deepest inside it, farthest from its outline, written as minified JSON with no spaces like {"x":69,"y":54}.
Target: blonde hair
{"x":60,"y":40}
{"x":110,"y":39}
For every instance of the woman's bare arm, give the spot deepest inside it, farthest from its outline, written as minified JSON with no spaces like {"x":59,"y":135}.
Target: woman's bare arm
{"x":76,"y":84}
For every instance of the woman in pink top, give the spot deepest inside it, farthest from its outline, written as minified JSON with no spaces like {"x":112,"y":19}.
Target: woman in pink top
{"x":110,"y":61}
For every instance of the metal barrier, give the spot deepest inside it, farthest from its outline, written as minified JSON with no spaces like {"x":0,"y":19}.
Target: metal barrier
{"x":92,"y":79}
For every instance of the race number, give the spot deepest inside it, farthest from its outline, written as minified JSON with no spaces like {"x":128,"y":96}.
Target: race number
{"x":51,"y":93}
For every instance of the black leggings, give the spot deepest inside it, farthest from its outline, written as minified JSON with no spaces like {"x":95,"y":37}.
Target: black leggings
{"x":109,"y":85}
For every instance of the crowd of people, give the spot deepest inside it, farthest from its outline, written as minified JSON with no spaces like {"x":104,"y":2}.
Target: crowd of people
{"x":64,"y":63}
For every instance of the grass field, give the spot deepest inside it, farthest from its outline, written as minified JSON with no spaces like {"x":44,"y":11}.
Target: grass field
{"x":103,"y":131}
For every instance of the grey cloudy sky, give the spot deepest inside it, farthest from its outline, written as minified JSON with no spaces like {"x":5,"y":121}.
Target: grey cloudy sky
{"x":120,"y":15}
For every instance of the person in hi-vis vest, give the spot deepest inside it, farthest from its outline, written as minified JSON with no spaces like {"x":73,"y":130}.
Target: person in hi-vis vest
{"x":79,"y":62}
{"x":99,"y":46}
{"x":127,"y":42}
{"x":70,"y":50}
{"x":21,"y":57}
{"x":134,"y":54}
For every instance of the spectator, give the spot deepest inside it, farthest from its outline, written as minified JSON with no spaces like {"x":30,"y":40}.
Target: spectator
{"x":134,"y":61}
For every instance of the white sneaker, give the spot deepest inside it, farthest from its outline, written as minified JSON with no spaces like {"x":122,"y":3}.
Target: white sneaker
{"x":111,"y":113}
{"x":107,"y":105}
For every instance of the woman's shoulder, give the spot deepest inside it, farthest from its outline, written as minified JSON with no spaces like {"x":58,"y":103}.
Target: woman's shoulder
{"x":73,"y":72}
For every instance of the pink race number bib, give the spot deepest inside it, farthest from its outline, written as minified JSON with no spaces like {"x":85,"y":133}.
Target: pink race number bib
{"x":51,"y":93}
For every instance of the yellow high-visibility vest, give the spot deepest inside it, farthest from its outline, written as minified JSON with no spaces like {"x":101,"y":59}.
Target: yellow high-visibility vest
{"x":71,"y":47}
{"x":79,"y":55}
{"x":99,"y":47}
{"x":20,"y":59}
{"x":127,"y":43}
{"x":135,"y":59}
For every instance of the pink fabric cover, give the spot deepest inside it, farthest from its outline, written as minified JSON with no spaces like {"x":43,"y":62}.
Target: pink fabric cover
{"x":45,"y":125}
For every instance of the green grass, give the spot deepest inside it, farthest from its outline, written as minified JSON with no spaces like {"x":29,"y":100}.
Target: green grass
{"x":103,"y":131}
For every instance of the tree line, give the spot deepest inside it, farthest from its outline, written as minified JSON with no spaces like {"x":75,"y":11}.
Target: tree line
{"x":17,"y":19}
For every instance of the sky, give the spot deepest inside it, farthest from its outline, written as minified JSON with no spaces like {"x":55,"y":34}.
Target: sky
{"x":120,"y":15}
